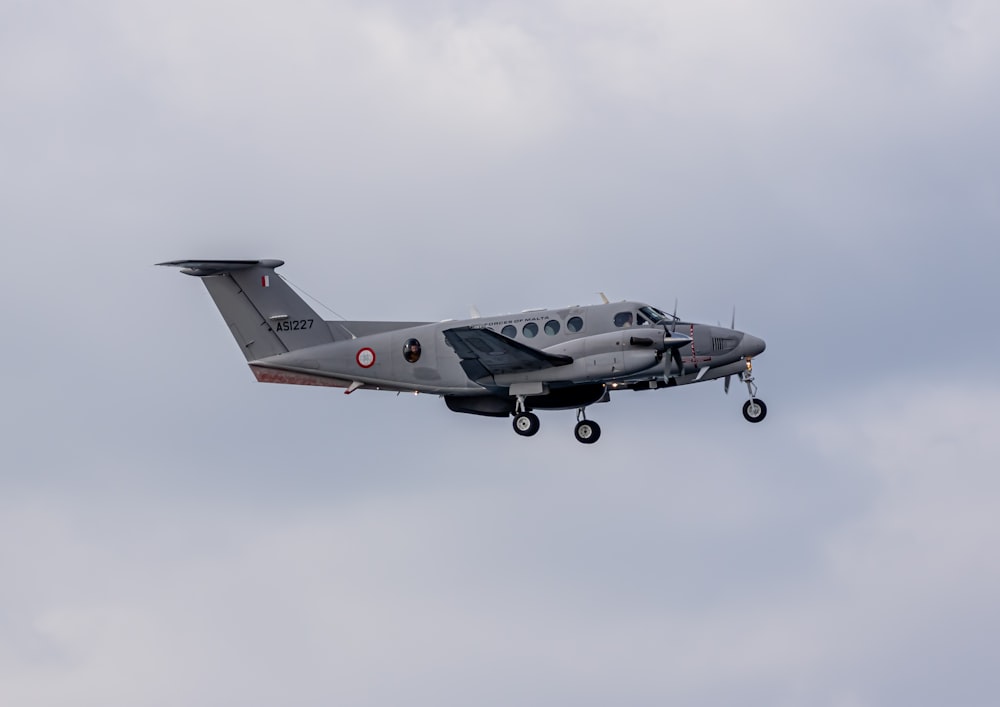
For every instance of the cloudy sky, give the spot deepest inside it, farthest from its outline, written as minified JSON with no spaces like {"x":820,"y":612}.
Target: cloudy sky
{"x":173,"y":533}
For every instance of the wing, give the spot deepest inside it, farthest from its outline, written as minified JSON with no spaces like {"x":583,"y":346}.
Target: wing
{"x":484,"y":353}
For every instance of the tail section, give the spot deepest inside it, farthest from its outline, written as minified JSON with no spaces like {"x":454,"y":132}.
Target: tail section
{"x":264,"y":314}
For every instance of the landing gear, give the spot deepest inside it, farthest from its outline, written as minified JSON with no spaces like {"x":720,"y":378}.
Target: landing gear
{"x":754,"y":409}
{"x":586,"y":431}
{"x":526,"y":423}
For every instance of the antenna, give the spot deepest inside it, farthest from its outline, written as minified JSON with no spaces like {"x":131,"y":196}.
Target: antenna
{"x":317,"y":301}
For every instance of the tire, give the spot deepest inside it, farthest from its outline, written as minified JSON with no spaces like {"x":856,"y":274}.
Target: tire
{"x":526,"y":424}
{"x":587,"y":431}
{"x":754,"y":410}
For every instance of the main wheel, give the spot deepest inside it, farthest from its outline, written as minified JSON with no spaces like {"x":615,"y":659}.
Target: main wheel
{"x":526,"y":423}
{"x":754,"y":410}
{"x":587,"y":431}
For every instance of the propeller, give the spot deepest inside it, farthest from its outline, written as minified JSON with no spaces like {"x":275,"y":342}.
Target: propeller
{"x":672,"y":343}
{"x":675,"y":356}
{"x":725,"y":385}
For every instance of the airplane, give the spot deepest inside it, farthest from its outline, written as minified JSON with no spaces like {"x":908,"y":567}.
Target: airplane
{"x":500,"y":366}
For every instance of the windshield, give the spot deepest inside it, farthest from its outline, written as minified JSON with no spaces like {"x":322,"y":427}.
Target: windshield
{"x":653,"y":314}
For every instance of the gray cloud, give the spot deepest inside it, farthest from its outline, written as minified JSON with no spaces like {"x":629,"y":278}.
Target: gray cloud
{"x":173,"y":533}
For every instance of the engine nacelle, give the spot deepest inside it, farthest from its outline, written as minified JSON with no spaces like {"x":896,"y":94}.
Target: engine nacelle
{"x":628,"y":339}
{"x":591,"y":367}
{"x":616,"y":363}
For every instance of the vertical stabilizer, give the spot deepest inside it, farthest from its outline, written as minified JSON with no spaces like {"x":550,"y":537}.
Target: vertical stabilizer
{"x":264,"y":314}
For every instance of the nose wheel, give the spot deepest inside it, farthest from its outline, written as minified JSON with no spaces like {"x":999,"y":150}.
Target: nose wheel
{"x":754,"y":409}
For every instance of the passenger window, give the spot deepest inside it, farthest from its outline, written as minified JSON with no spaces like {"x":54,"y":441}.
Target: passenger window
{"x":574,"y":324}
{"x":623,"y":319}
{"x":530,"y":330}
{"x":552,"y":327}
{"x":510,"y":331}
{"x":411,"y":350}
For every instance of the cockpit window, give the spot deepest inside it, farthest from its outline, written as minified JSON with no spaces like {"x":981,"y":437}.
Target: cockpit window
{"x":653,"y":314}
{"x":623,"y":319}
{"x":411,"y":350}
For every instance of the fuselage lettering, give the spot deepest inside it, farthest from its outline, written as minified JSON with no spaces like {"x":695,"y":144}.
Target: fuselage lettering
{"x":294,"y":325}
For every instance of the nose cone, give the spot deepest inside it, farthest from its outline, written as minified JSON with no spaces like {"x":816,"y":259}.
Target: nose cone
{"x":752,"y":346}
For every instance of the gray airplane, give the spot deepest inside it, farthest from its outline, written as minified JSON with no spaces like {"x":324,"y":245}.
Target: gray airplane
{"x":568,"y":358}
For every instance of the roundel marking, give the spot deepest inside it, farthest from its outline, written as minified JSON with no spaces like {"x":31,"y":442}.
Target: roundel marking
{"x":365,"y":358}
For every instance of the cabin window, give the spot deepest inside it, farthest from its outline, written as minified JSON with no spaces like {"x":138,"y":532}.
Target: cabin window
{"x":530,"y":330}
{"x":552,"y":327}
{"x":623,"y":319}
{"x":510,"y":331}
{"x":411,"y":350}
{"x":574,"y":324}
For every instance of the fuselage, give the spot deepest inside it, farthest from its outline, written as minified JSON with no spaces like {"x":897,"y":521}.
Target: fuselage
{"x":619,"y":344}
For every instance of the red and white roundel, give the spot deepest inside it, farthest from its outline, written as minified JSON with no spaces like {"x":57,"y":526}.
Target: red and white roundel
{"x":366,"y":358}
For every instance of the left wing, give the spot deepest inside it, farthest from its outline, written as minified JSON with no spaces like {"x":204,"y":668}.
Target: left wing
{"x":485,"y":353}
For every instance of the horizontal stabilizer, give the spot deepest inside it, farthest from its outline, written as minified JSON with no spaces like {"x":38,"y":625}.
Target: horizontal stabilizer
{"x":201,"y":268}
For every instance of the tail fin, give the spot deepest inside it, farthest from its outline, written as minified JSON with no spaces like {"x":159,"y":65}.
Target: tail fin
{"x":265,"y":315}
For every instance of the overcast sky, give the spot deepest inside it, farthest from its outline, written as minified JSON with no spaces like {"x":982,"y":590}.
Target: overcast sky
{"x":172,"y":532}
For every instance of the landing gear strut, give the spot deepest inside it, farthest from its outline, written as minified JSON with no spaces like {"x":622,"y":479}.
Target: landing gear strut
{"x":586,"y":431}
{"x":754,"y":409}
{"x":525,"y":423}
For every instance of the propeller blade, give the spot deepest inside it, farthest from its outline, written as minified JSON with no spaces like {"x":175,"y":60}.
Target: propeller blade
{"x":674,"y":357}
{"x":732,"y":325}
{"x":673,"y":342}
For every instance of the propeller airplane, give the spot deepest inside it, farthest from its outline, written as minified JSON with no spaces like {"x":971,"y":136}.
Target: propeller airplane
{"x":503,"y":366}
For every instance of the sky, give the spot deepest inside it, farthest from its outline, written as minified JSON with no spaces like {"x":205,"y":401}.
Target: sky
{"x":172,"y":532}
